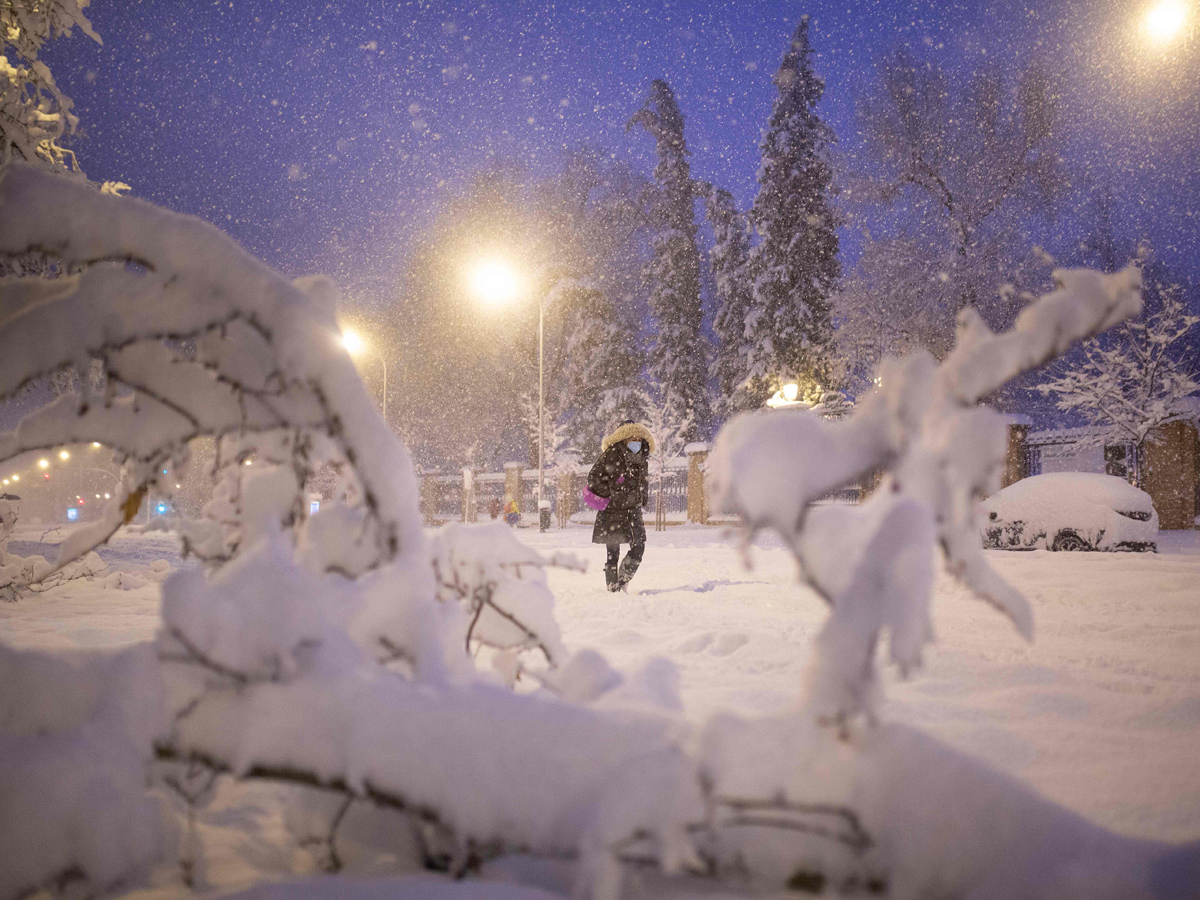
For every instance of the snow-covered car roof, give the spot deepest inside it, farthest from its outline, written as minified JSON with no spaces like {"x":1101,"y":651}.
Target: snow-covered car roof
{"x":1059,"y":491}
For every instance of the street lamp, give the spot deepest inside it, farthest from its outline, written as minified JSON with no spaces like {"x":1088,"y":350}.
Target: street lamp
{"x":786,"y":397}
{"x":1165,"y":20}
{"x":355,"y":346}
{"x":496,"y":282}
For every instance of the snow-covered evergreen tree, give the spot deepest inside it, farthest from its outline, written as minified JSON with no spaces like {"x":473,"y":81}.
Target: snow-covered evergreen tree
{"x":601,"y":364}
{"x":1133,"y":380}
{"x":670,"y":431}
{"x":729,"y":257}
{"x":35,"y":115}
{"x":795,"y":264}
{"x":679,"y":355}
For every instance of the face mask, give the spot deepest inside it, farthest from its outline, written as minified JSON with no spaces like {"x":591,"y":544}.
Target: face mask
{"x":634,"y":446}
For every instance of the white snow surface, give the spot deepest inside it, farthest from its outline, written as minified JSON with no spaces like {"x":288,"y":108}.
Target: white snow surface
{"x":1083,"y":502}
{"x":1101,"y":714}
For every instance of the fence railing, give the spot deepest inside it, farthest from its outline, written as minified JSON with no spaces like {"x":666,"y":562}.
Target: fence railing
{"x":675,"y":497}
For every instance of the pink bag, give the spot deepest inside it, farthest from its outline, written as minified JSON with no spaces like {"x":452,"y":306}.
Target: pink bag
{"x":595,"y":501}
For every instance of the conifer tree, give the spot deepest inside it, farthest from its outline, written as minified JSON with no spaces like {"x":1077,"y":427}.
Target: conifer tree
{"x":729,"y":258}
{"x":794,"y":265}
{"x":601,"y":364}
{"x":678,"y":357}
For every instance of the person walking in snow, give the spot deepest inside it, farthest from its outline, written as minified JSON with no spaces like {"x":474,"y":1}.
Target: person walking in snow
{"x":620,"y":476}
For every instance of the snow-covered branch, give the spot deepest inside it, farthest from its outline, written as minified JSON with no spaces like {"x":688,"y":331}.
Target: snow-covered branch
{"x":942,"y":452}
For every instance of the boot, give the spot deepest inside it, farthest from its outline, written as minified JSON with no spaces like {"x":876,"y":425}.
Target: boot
{"x":629,"y":567}
{"x":611,"y":577}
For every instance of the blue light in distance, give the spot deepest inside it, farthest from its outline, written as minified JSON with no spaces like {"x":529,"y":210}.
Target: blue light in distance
{"x":72,"y":514}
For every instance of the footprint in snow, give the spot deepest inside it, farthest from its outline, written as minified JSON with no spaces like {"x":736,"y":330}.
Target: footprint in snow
{"x":696,"y":643}
{"x":729,"y":643}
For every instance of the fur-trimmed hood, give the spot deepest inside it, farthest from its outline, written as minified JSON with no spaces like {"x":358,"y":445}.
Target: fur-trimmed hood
{"x":631,"y":431}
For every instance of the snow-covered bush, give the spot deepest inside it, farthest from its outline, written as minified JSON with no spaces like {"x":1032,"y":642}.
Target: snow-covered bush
{"x":332,"y":652}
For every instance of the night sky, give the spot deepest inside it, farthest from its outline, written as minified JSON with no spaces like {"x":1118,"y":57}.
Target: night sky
{"x":325,"y":137}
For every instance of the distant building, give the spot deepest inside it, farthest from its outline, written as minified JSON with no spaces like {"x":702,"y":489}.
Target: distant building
{"x":1170,"y":469}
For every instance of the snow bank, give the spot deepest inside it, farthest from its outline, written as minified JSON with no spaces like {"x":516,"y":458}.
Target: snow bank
{"x":76,"y":741}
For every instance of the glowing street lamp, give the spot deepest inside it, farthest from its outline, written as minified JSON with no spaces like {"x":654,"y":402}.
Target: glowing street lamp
{"x":786,"y":396}
{"x":356,"y":346}
{"x":1165,"y":21}
{"x":43,"y":463}
{"x":64,"y":455}
{"x":496,"y":283}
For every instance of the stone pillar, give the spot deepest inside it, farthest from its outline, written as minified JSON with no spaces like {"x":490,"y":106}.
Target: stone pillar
{"x":431,"y":496}
{"x":568,"y":498}
{"x":1171,"y":471}
{"x":470,"y":509}
{"x":513,"y":485}
{"x":1016,"y":459}
{"x":697,"y":498}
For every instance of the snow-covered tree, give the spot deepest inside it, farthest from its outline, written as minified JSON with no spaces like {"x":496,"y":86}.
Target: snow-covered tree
{"x":728,"y":259}
{"x":558,"y":446}
{"x":670,"y":430}
{"x":794,"y":266}
{"x":957,"y":168}
{"x":1129,"y":382}
{"x":678,"y":358}
{"x":35,"y":115}
{"x":601,"y":363}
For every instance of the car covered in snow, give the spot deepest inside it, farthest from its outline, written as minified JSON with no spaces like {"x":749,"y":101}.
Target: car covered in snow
{"x":1070,"y":511}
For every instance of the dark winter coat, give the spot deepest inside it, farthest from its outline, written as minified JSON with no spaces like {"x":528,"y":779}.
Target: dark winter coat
{"x":621,"y":477}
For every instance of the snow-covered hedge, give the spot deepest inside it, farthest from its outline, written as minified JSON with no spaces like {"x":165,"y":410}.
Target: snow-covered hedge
{"x":337,"y":651}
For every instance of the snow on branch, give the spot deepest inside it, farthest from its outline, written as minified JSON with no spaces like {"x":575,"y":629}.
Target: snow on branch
{"x":501,"y":585}
{"x":874,"y":565}
{"x":194,"y":338}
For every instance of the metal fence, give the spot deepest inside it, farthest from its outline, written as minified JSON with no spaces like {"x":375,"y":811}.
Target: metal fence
{"x":442,"y":496}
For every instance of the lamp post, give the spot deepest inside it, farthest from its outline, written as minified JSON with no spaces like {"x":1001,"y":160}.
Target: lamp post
{"x":496,"y":282}
{"x":355,"y":345}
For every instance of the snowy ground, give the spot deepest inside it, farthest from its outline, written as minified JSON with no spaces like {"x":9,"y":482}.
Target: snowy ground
{"x":1101,"y":713}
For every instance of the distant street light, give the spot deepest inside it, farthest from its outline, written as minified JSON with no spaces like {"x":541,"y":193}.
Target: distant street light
{"x":356,"y":346}
{"x":1165,"y":21}
{"x":496,"y":282}
{"x":786,"y":396}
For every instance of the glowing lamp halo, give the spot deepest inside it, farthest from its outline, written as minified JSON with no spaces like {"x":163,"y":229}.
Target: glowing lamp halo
{"x":1165,"y":20}
{"x":353,"y":341}
{"x":494,"y":281}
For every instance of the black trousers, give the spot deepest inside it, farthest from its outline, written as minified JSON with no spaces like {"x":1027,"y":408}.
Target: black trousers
{"x":616,"y":577}
{"x":635,"y":552}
